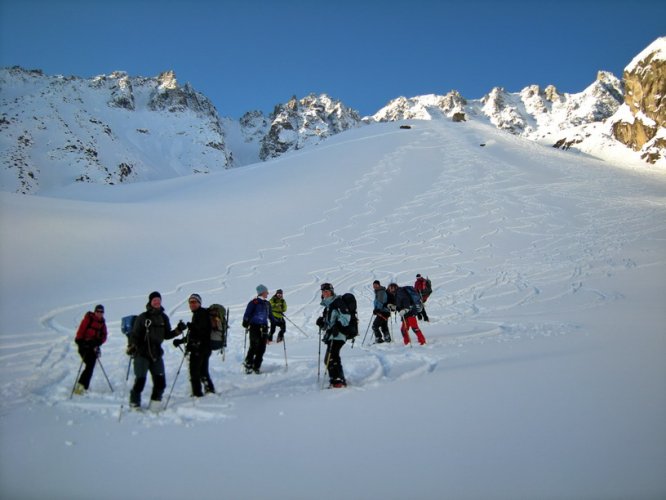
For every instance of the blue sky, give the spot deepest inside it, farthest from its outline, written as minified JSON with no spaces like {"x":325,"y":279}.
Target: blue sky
{"x":254,"y":54}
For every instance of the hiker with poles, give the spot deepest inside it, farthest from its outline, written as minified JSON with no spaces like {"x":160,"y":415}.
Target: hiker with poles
{"x":380,"y":310}
{"x":424,"y":287}
{"x":333,"y":320}
{"x":255,"y":322}
{"x":407,"y":303}
{"x":197,"y":343}
{"x":279,"y":307}
{"x":144,"y":344}
{"x":90,"y":335}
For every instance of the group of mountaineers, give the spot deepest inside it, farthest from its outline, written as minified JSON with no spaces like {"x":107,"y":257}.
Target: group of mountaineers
{"x":206,"y":332}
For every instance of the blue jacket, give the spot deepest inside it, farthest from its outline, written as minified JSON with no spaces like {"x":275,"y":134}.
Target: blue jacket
{"x":257,"y":312}
{"x":331,"y":317}
{"x":381,"y":299}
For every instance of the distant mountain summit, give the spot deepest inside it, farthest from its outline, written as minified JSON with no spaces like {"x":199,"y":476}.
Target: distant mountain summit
{"x":307,"y":121}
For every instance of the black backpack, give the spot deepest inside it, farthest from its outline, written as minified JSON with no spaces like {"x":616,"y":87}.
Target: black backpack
{"x":428,"y":288}
{"x":415,"y":297}
{"x":346,"y":304}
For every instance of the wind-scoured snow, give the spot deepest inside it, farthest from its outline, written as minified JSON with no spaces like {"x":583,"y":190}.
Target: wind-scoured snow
{"x":543,"y":375}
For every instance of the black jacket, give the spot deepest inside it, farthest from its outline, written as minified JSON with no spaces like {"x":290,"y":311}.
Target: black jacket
{"x":401,"y":300}
{"x":151,"y":328}
{"x":200,"y":329}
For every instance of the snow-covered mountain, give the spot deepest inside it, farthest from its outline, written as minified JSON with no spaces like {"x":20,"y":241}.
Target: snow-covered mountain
{"x":115,"y":128}
{"x":108,"y":129}
{"x":543,"y":375}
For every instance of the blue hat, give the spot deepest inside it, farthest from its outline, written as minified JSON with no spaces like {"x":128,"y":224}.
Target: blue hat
{"x":261,"y":289}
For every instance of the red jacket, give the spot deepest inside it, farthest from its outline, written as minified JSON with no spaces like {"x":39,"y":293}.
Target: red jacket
{"x":420,"y":286}
{"x":91,"y":330}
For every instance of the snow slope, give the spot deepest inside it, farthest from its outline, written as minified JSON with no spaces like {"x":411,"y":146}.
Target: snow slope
{"x":543,"y":376}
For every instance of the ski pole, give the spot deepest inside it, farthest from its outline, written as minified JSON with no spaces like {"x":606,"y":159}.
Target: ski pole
{"x":104,"y":371}
{"x":76,"y":380}
{"x":327,"y":359}
{"x":122,"y":405}
{"x":284,"y":344}
{"x":319,"y":359}
{"x":366,"y":331}
{"x":224,"y":336}
{"x":174,"y":379}
{"x":297,"y":327}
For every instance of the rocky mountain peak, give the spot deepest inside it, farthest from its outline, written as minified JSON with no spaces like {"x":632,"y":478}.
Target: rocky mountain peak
{"x":167,"y":80}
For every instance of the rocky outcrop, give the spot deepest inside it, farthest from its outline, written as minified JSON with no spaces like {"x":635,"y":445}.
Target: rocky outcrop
{"x":642,"y":121}
{"x":307,"y":121}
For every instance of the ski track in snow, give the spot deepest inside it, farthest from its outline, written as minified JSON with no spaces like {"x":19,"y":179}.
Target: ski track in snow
{"x":476,"y":282}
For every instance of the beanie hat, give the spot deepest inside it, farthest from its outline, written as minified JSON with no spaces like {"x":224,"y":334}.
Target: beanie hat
{"x":99,"y":307}
{"x":376,"y":282}
{"x":279,"y":290}
{"x":261,"y":289}
{"x":327,"y":286}
{"x":418,"y":275}
{"x":153,"y":296}
{"x":195,"y":296}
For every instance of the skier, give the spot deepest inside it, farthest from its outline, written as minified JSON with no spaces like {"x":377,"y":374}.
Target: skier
{"x":255,"y":320}
{"x":198,"y":346}
{"x":278,"y":307}
{"x":402,"y":302}
{"x":90,"y":336}
{"x":144,"y":344}
{"x":381,"y":312}
{"x":330,"y":320}
{"x":421,"y":286}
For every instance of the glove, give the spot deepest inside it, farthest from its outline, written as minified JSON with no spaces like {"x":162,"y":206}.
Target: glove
{"x":246,"y":324}
{"x":181,"y":327}
{"x":391,"y":307}
{"x":321,"y":322}
{"x":402,"y":312}
{"x":178,"y":342}
{"x":131,"y":350}
{"x":264,"y":330}
{"x":98,"y":351}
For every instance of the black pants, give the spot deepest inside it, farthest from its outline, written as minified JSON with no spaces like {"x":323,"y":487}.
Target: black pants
{"x":274,"y":324}
{"x":423,"y":315}
{"x":255,"y":354}
{"x":89,"y":356}
{"x":379,"y":327}
{"x":141,"y":368}
{"x":199,"y":375}
{"x":333,"y":361}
